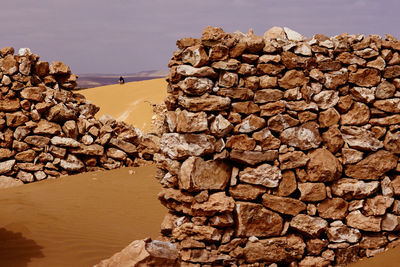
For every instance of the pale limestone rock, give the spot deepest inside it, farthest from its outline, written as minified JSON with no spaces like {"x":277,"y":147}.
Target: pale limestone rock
{"x":353,"y":188}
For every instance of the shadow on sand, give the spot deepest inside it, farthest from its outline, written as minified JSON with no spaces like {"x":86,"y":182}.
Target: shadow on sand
{"x":16,"y":250}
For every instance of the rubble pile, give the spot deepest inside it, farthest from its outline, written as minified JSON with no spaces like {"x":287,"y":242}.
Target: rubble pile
{"x":281,"y":149}
{"x":46,"y":130}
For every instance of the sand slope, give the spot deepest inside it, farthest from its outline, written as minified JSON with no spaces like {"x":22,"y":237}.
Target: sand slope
{"x":129,"y":102}
{"x":78,"y":220}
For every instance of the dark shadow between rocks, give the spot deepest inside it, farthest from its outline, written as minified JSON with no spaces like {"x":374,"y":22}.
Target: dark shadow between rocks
{"x":16,"y":250}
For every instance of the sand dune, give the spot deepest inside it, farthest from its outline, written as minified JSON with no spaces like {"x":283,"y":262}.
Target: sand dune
{"x":129,"y":102}
{"x":78,"y":220}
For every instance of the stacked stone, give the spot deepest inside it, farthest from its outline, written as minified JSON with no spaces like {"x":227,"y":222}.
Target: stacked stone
{"x":282,"y":149}
{"x":47,"y":131}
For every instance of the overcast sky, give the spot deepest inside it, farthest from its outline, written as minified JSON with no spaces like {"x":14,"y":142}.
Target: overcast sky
{"x":127,"y":36}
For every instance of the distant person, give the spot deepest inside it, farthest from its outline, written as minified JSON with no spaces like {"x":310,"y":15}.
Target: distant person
{"x":121,"y":80}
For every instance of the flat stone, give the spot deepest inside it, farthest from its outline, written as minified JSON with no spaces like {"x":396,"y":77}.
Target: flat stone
{"x":9,"y":104}
{"x":196,"y":232}
{"x":189,"y":122}
{"x":377,"y":205}
{"x":72,"y":164}
{"x":196,"y":174}
{"x":385,"y":121}
{"x":314,"y":261}
{"x":328,"y":117}
{"x":312,"y":192}
{"x":9,"y":65}
{"x":350,"y":156}
{"x":392,"y":71}
{"x":250,"y":124}
{"x":236,"y":93}
{"x":392,"y":142}
{"x":57,"y":67}
{"x":388,"y":105}
{"x":303,"y":137}
{"x":187,"y":70}
{"x":254,"y":220}
{"x":241,"y":142}
{"x":217,"y":203}
{"x":267,"y":95}
{"x":292,"y":79}
{"x":358,"y":114}
{"x":228,"y":79}
{"x":365,"y":77}
{"x":353,"y":188}
{"x":266,"y":140}
{"x":205,"y":103}
{"x":280,"y":122}
{"x":360,"y":138}
{"x":230,"y":64}
{"x":64,"y":141}
{"x":333,"y":139}
{"x":309,"y":226}
{"x":16,"y":119}
{"x":37,"y":140}
{"x":292,"y":160}
{"x":339,"y":232}
{"x":252,"y":157}
{"x":363,"y":94}
{"x":46,"y":127}
{"x":88,"y":150}
{"x":246,"y":107}
{"x":385,"y":90}
{"x":196,"y":86}
{"x":357,"y":220}
{"x":6,"y":166}
{"x":246,"y":192}
{"x":285,"y":205}
{"x":333,"y":208}
{"x":373,"y":166}
{"x":287,"y":184}
{"x":265,"y":175}
{"x":326,"y":99}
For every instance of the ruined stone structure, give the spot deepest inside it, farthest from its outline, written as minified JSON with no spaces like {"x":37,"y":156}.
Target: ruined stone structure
{"x":281,"y":149}
{"x":46,"y":130}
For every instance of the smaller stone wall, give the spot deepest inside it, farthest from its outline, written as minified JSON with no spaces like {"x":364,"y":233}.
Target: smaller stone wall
{"x":47,"y":131}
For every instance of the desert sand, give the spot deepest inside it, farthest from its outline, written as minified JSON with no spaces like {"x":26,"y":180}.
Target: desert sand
{"x":78,"y":220}
{"x":129,"y":102}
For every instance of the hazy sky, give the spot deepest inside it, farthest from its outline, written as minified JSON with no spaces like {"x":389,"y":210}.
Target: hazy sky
{"x":126,"y":36}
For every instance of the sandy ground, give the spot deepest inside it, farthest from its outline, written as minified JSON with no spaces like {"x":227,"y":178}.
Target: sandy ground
{"x":129,"y":102}
{"x":78,"y":220}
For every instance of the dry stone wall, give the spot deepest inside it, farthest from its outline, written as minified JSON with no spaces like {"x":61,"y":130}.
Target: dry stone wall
{"x":282,"y":149}
{"x":47,"y":131}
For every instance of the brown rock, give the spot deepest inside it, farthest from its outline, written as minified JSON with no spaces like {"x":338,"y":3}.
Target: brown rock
{"x":280,"y":122}
{"x":360,"y":138}
{"x":350,"y":156}
{"x":328,"y":117}
{"x":27,"y":155}
{"x":116,"y":153}
{"x":236,"y":93}
{"x":359,"y":114}
{"x":25,"y":176}
{"x":267,"y":95}
{"x":277,"y":249}
{"x":283,"y":205}
{"x":220,"y":127}
{"x":142,"y":253}
{"x":247,"y":69}
{"x":195,"y":55}
{"x":207,"y":103}
{"x":42,"y":68}
{"x":373,"y":166}
{"x":392,"y":142}
{"x":9,"y":104}
{"x":312,"y":192}
{"x":218,"y":52}
{"x":88,"y":150}
{"x":365,"y":77}
{"x":366,"y":223}
{"x":334,"y":208}
{"x":354,"y":189}
{"x":8,"y":50}
{"x":389,"y":120}
{"x":266,"y":140}
{"x":388,"y":105}
{"x":371,"y":242}
{"x":287,"y":184}
{"x":269,"y":69}
{"x":339,"y":232}
{"x":196,"y":86}
{"x":333,"y":139}
{"x":46,"y":127}
{"x":247,"y":107}
{"x":268,"y":81}
{"x":385,"y":90}
{"x":187,"y":70}
{"x":390,"y":222}
{"x":216,"y":203}
{"x":57,"y":67}
{"x":9,"y":65}
{"x":306,"y":116}
{"x":197,"y":174}
{"x":241,"y":142}
{"x":265,"y":175}
{"x":271,"y":109}
{"x":252,"y":157}
{"x":254,"y":220}
{"x":293,"y":78}
{"x":6,"y":166}
{"x":328,"y":64}
{"x":309,"y":226}
{"x":377,"y":205}
{"x":188,"y":122}
{"x":363,"y":94}
{"x":315,"y":246}
{"x":250,"y":124}
{"x":344,"y":103}
{"x":345,"y":256}
{"x":228,"y":79}
{"x":16,"y":119}
{"x":350,"y":59}
{"x":230,"y":64}
{"x":8,"y":182}
{"x":36,"y":140}
{"x":196,"y":232}
{"x":64,"y":141}
{"x":291,"y":61}
{"x":61,"y":113}
{"x":392,"y":71}
{"x":314,"y":261}
{"x":323,"y":166}
{"x":33,"y":94}
{"x":303,"y":137}
{"x":326,"y":99}
{"x":181,"y":146}
{"x":292,"y":160}
{"x":6,"y":153}
{"x":246,"y":191}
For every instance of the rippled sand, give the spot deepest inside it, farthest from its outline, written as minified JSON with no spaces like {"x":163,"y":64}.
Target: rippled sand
{"x":78,"y":220}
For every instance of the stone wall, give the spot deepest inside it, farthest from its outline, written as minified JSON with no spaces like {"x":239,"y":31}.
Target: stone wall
{"x":282,"y":149}
{"x":47,"y":131}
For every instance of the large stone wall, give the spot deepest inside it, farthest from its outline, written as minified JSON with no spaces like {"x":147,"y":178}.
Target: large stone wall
{"x":47,"y":131}
{"x":282,"y":149}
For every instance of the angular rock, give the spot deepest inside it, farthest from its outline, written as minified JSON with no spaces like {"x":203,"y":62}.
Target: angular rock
{"x":9,"y":65}
{"x":333,"y":208}
{"x":370,"y":241}
{"x":292,"y":160}
{"x":303,"y":137}
{"x":323,"y":166}
{"x":285,"y":205}
{"x":88,"y":150}
{"x":247,"y":107}
{"x":287,"y":184}
{"x":362,"y":94}
{"x":309,"y":226}
{"x":37,"y":140}
{"x":57,"y":67}
{"x":390,"y":222}
{"x":61,"y":113}
{"x":250,"y":124}
{"x":246,"y":191}
{"x":266,"y":140}
{"x":328,"y":118}
{"x":365,"y":77}
{"x":273,"y":108}
{"x":72,"y":164}
{"x":181,"y":146}
{"x":26,"y":177}
{"x":392,"y":142}
{"x":350,"y":156}
{"x":354,"y":189}
{"x":64,"y":141}
{"x":9,"y":104}
{"x":228,"y":79}
{"x":16,"y":119}
{"x":252,"y":157}
{"x":392,"y":71}
{"x":265,"y":175}
{"x":357,"y":220}
{"x":220,"y":127}
{"x":385,"y":90}
{"x":268,"y":81}
{"x":385,"y":121}
{"x":360,"y":138}
{"x":254,"y":220}
{"x":230,"y":64}
{"x":196,"y":232}
{"x":312,"y":192}
{"x":205,"y":103}
{"x":326,"y":99}
{"x":240,"y":142}
{"x":196,"y":86}
{"x":377,"y":205}
{"x":333,"y":139}
{"x":6,"y":166}
{"x":292,"y":79}
{"x":388,"y":105}
{"x":339,"y":232}
{"x":236,"y":93}
{"x":195,"y":56}
{"x":188,"y":122}
{"x":196,"y":174}
{"x":358,"y":114}
{"x":269,"y":69}
{"x":373,"y":166}
{"x":276,"y":249}
{"x":281,"y":122}
{"x":216,"y":203}
{"x":46,"y":127}
{"x":33,"y":94}
{"x":267,"y":95}
{"x":314,"y":261}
